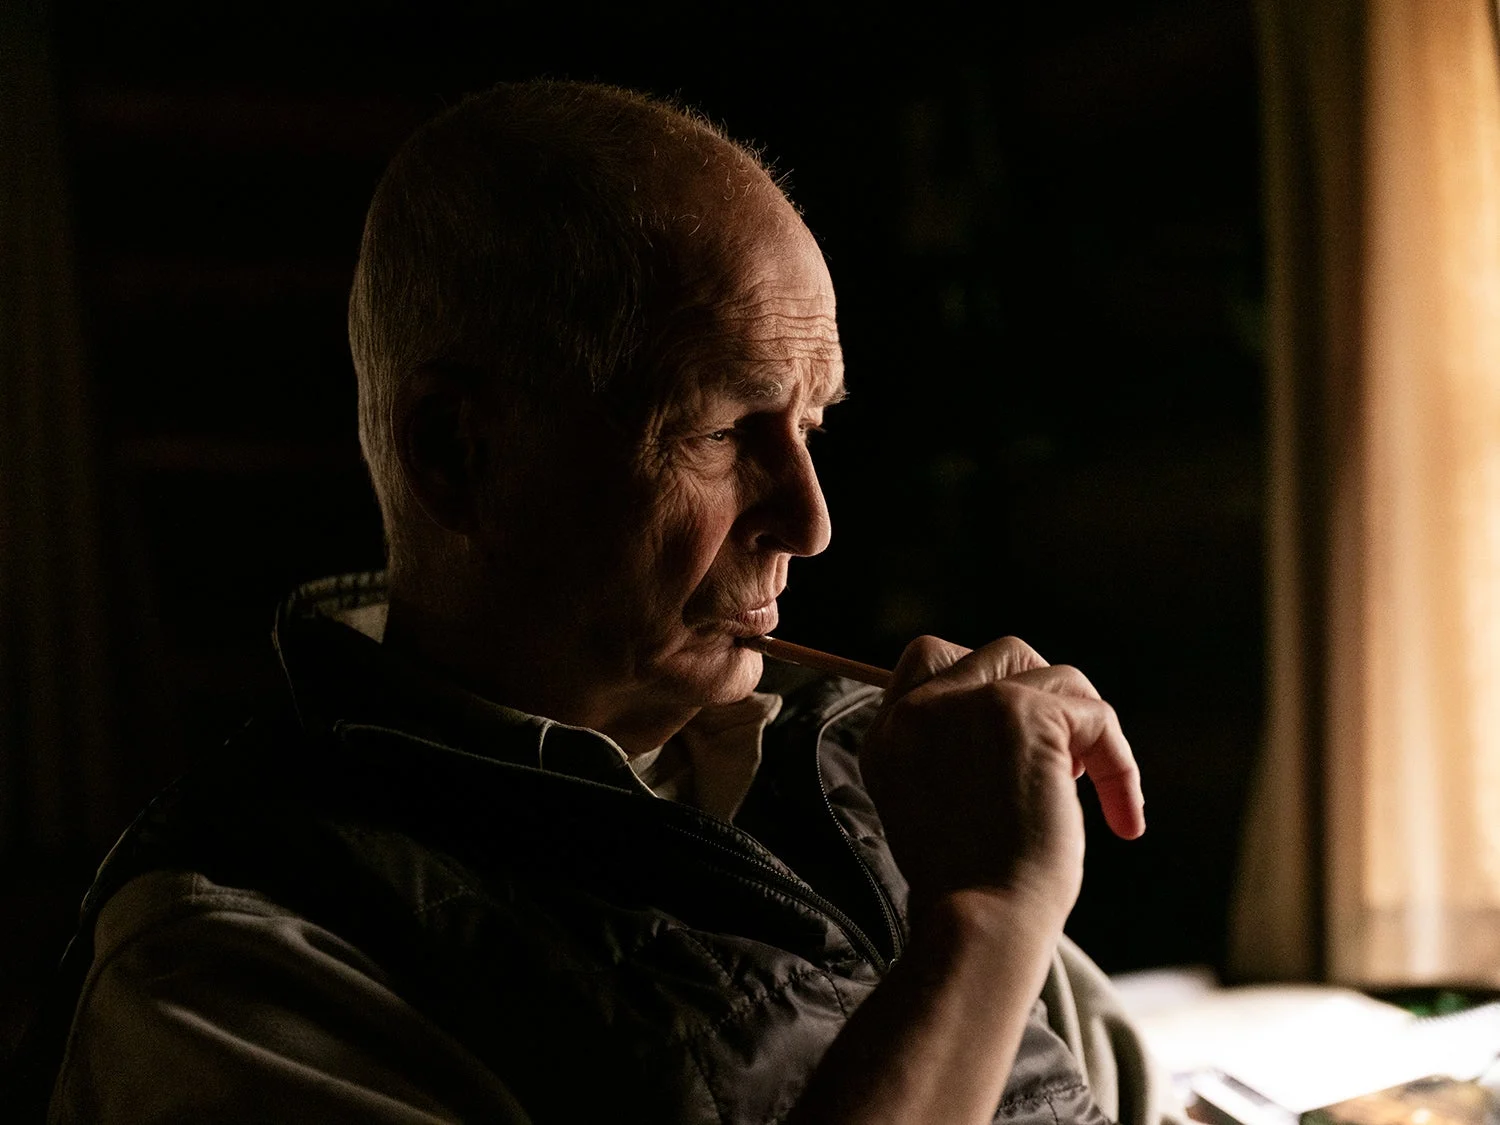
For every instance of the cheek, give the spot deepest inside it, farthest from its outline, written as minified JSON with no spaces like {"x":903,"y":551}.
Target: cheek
{"x":688,"y":529}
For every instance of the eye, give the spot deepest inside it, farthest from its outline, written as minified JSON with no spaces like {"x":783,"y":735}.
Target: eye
{"x":719,"y":435}
{"x":810,"y":428}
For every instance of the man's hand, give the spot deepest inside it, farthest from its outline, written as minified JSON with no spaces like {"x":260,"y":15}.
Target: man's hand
{"x":972,"y":763}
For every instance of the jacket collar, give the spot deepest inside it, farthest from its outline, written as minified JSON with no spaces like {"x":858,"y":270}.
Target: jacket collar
{"x":327,"y":636}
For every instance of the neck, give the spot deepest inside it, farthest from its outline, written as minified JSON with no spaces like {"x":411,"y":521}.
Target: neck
{"x":509,"y":666}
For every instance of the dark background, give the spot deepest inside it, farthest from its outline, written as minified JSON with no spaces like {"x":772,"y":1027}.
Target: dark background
{"x":1044,"y":231}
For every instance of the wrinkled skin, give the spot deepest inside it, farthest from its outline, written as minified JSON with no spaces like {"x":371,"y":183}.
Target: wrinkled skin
{"x":611,"y":568}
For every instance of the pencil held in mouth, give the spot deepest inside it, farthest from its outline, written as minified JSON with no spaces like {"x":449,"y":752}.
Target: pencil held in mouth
{"x":821,"y":661}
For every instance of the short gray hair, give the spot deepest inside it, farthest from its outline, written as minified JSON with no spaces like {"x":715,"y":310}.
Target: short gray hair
{"x":518,"y":236}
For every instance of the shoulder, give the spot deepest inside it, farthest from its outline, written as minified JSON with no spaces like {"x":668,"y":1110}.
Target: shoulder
{"x":210,"y":1001}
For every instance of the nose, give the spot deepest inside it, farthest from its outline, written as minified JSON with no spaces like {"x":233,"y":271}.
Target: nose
{"x":791,"y":515}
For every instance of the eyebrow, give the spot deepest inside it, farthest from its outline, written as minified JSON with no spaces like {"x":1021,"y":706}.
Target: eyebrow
{"x":754,"y":387}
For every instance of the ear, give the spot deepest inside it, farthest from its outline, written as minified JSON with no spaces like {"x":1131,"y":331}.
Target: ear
{"x":443,"y":447}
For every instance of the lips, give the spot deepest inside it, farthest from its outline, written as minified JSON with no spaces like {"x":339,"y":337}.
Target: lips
{"x":752,"y":622}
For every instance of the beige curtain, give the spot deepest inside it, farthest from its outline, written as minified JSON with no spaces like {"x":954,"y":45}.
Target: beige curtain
{"x":1373,"y":842}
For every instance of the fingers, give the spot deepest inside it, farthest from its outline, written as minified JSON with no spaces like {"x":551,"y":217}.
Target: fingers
{"x":927,"y":657}
{"x":999,"y":660}
{"x":1097,"y":745}
{"x":1120,"y":793}
{"x":1101,"y":751}
{"x":1059,"y":679}
{"x":923,"y":659}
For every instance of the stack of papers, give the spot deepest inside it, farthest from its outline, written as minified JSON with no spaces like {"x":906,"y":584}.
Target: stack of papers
{"x":1302,"y":1047}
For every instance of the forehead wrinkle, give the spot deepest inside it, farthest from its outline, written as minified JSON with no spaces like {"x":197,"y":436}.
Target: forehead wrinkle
{"x":752,"y":318}
{"x":765,"y":338}
{"x":756,"y":364}
{"x":800,"y":321}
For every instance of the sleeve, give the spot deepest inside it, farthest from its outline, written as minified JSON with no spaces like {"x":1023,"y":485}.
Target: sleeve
{"x":206,"y":1003}
{"x":1085,"y":1012}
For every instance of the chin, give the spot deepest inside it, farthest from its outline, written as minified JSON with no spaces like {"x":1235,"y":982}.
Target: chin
{"x":708,"y":679}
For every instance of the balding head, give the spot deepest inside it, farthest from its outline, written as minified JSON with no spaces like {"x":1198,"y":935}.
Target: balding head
{"x":540,"y":238}
{"x":593,"y":340}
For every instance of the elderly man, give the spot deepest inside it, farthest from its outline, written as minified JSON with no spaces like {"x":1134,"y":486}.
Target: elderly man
{"x":536,"y":837}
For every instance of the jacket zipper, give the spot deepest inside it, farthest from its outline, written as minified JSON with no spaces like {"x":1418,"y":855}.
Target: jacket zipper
{"x":794,"y":888}
{"x":887,"y":908}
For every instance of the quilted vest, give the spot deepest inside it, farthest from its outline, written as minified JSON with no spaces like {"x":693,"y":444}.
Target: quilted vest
{"x":610,"y":955}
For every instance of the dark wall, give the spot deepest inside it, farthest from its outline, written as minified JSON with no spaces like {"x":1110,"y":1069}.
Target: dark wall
{"x":1045,"y":239}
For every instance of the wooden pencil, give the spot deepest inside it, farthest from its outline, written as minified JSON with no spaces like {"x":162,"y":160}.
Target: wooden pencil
{"x":822,"y":661}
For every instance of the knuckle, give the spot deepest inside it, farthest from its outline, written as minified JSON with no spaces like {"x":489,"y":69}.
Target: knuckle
{"x":928,"y":645}
{"x":1068,"y":676}
{"x":1011,"y":655}
{"x":1126,"y":774}
{"x":1076,"y":680}
{"x":1007,"y":694}
{"x":1018,"y":648}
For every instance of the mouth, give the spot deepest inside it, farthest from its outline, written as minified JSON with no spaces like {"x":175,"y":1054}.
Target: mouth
{"x":752,"y":622}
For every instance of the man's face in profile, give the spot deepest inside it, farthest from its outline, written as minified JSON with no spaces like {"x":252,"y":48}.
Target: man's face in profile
{"x":673,"y":542}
